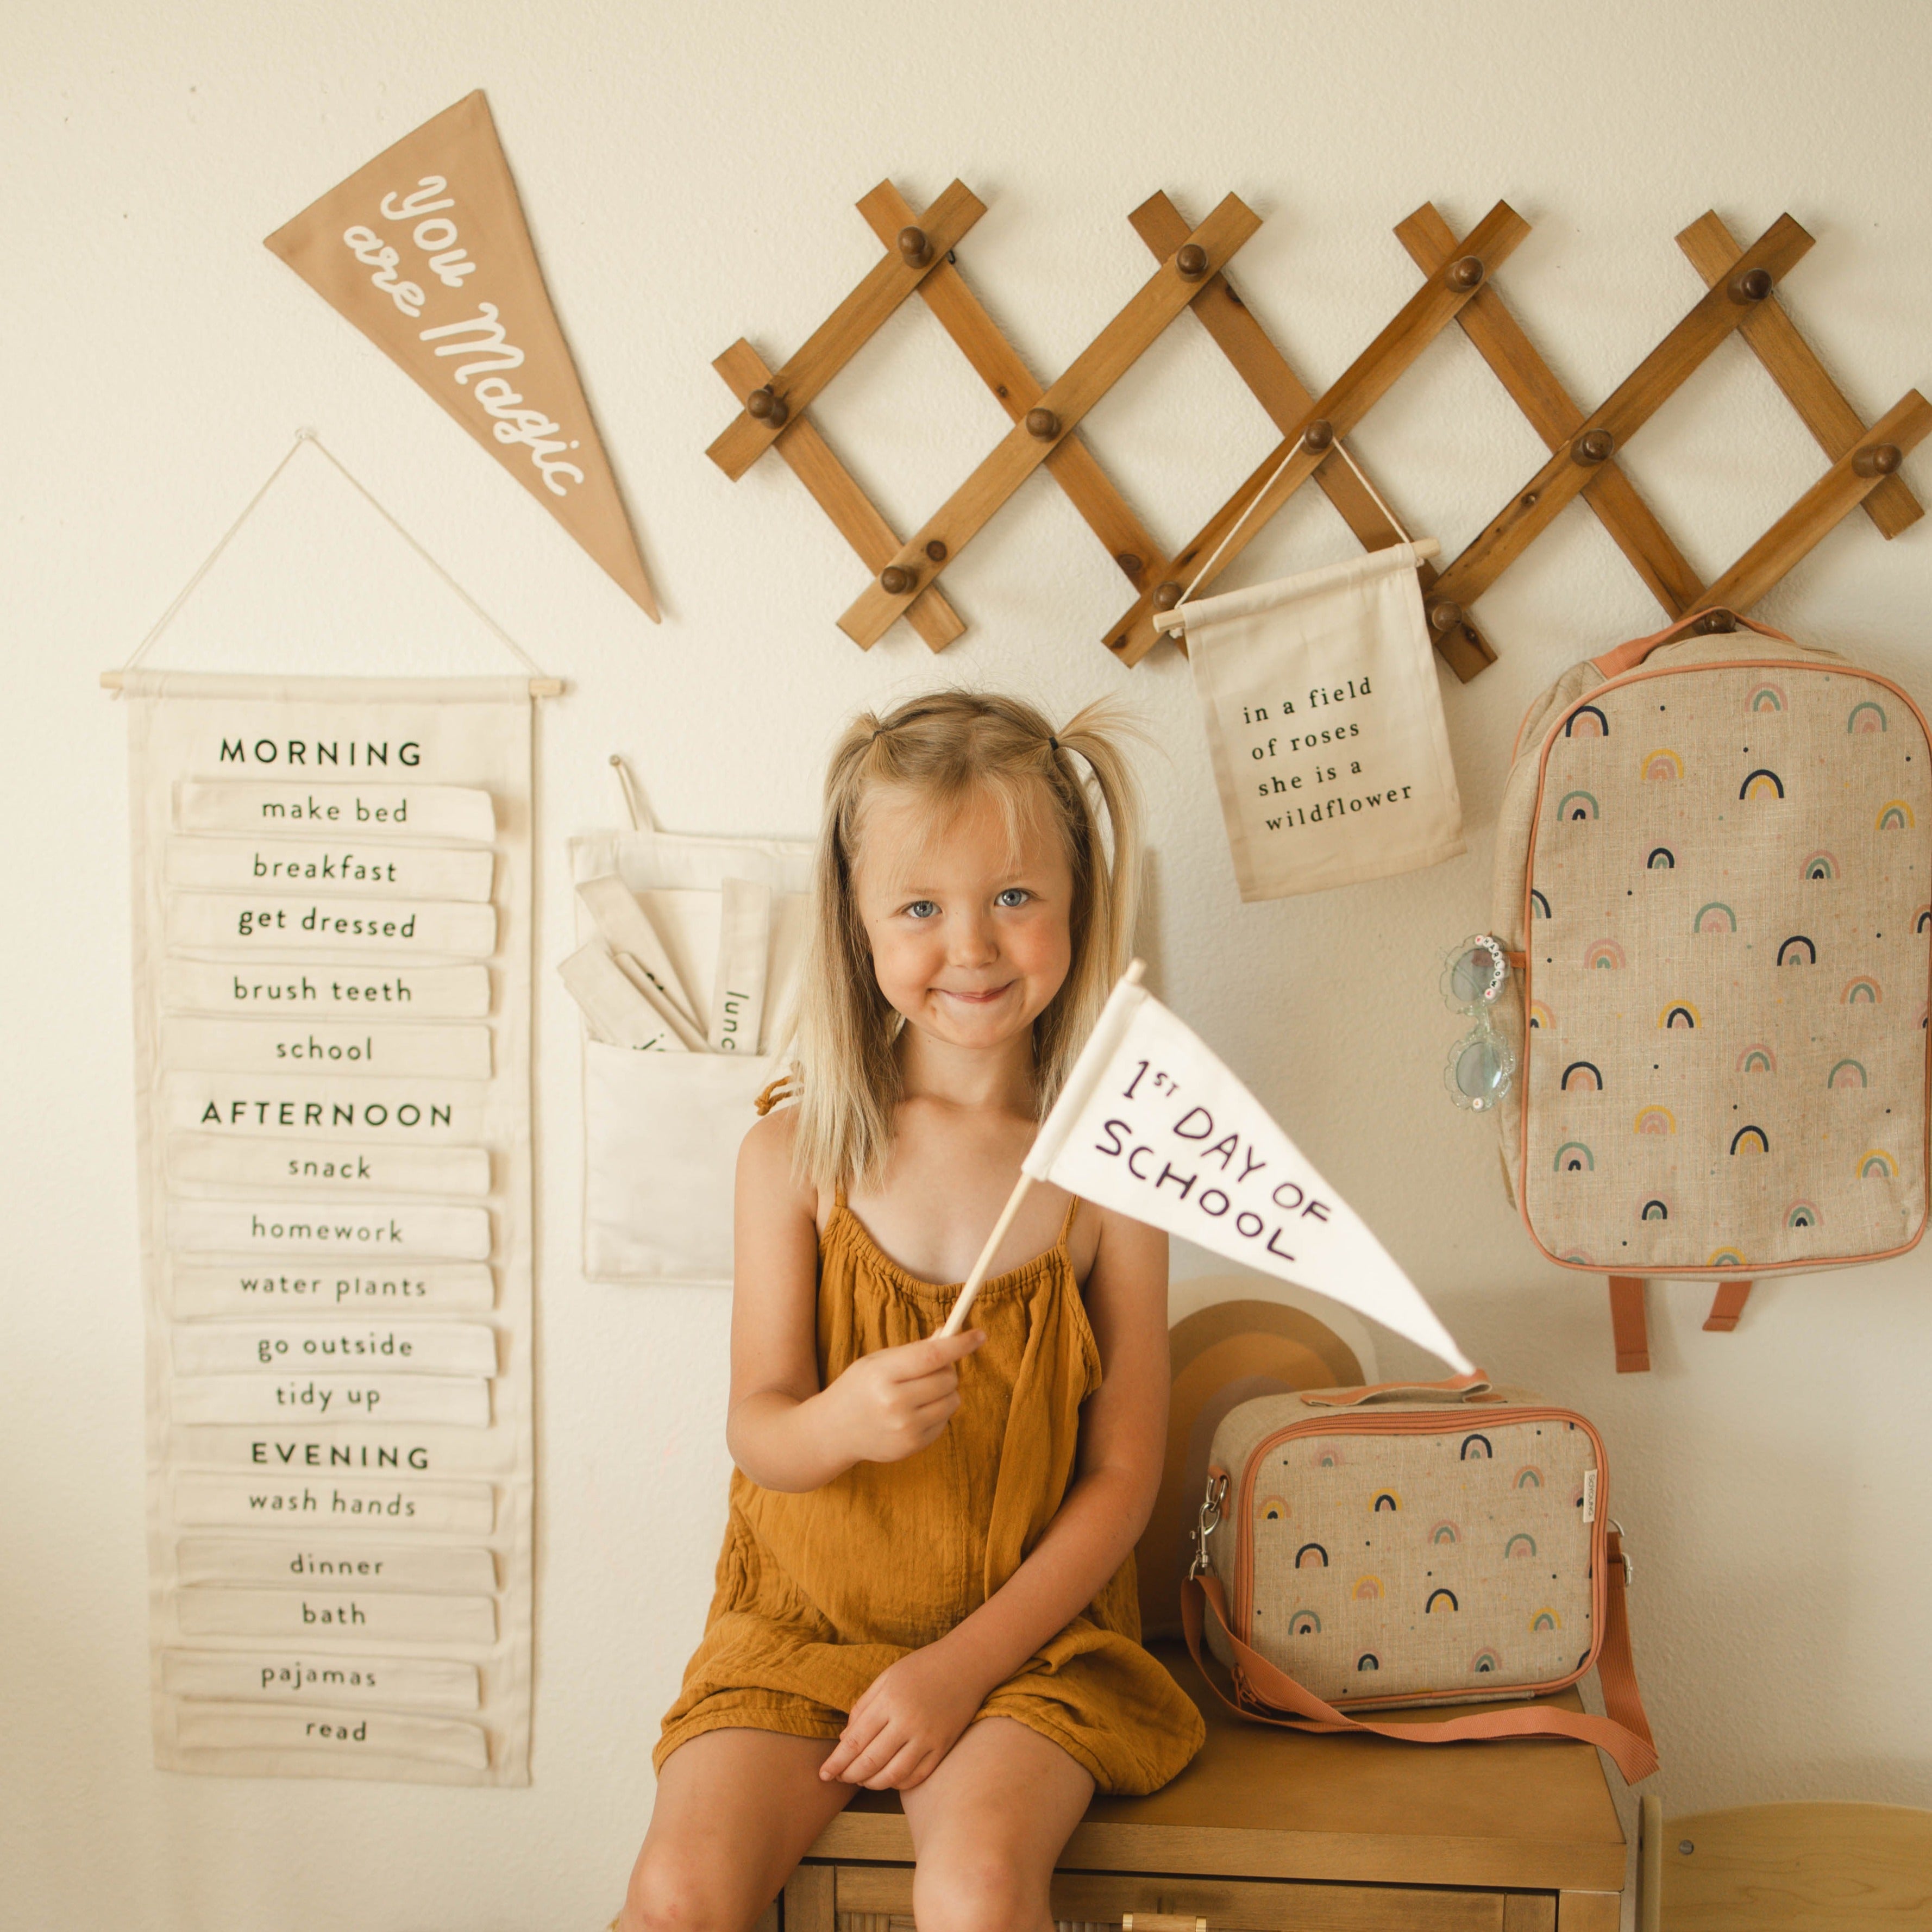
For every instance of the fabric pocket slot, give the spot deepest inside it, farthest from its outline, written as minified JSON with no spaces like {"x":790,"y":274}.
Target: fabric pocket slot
{"x":281,"y":1501}
{"x":364,"y":1167}
{"x":263,"y":1564}
{"x":309,"y":1615}
{"x":232,"y":922}
{"x":292,"y":1045}
{"x":308,"y":1228}
{"x":744,"y":951}
{"x":418,"y":1348}
{"x":320,"y":1400}
{"x":666,"y":1129}
{"x":373,"y":811}
{"x":221,"y":1675}
{"x":365,"y":992}
{"x":405,"y":871}
{"x":468,"y":1288}
{"x":369,"y":1734}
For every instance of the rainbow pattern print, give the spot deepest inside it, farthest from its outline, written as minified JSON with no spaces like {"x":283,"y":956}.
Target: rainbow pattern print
{"x":1481,"y":1580}
{"x":1740,"y":1081}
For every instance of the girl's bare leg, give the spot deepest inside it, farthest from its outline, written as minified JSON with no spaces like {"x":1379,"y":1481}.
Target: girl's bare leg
{"x":736,"y":1811}
{"x":988,"y":1826}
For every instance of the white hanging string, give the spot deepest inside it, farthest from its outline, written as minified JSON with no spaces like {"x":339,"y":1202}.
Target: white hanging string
{"x":550,"y":685}
{"x":1169,"y":619}
{"x":634,"y":807}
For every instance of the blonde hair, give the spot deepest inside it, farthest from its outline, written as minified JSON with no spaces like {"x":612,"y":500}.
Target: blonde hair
{"x":944,"y":748}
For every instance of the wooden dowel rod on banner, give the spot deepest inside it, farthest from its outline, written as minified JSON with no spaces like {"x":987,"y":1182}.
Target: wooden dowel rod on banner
{"x":956,"y":1321}
{"x":1169,"y":621}
{"x":540,"y":687}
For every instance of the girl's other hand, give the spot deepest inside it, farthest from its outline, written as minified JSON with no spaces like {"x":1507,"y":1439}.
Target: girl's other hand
{"x":891,"y":1403}
{"x":910,"y":1716}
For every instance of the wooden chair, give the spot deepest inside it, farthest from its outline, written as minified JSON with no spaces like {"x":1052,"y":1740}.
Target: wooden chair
{"x":1222,"y":1355}
{"x":1269,"y":1830}
{"x":1811,"y":1867}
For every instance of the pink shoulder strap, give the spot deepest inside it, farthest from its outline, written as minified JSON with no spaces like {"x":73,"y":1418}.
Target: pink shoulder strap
{"x":1265,"y":1693}
{"x":1628,"y":656}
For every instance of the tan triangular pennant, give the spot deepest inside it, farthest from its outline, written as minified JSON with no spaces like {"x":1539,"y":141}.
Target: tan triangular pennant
{"x":425,"y":250}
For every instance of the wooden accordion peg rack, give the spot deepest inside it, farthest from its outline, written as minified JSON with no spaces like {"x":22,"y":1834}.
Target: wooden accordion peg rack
{"x":1459,"y":286}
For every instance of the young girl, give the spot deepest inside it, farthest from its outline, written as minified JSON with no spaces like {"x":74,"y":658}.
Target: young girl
{"x":927,"y":1583}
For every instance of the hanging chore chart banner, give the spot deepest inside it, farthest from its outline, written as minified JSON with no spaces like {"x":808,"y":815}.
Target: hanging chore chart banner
{"x":332,"y":939}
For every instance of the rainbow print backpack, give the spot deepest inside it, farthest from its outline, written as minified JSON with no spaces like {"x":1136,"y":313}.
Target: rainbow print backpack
{"x":1713,"y":873}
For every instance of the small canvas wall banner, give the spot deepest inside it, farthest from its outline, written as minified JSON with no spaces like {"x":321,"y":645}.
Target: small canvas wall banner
{"x":332,"y":938}
{"x":1324,"y":721}
{"x":426,"y":251}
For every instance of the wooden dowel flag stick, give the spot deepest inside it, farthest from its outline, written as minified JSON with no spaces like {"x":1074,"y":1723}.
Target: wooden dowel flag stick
{"x":956,"y":1321}
{"x":1151,"y":1124}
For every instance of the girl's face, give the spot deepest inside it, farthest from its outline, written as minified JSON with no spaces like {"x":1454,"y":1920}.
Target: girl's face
{"x":970,"y":926}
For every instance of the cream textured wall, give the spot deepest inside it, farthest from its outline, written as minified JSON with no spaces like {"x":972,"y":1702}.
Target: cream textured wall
{"x":688,"y":173}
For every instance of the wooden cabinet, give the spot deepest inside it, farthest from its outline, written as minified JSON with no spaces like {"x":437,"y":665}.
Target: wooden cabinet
{"x":1270,"y":1830}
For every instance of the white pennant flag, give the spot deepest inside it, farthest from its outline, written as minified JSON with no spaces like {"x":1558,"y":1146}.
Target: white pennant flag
{"x":1151,"y":1124}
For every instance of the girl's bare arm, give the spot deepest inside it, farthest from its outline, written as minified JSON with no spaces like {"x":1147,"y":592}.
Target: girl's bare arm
{"x":784,"y":1431}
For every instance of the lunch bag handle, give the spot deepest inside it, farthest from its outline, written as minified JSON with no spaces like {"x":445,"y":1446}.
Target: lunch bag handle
{"x":1262,"y":1690}
{"x":1628,"y":656}
{"x":1475,"y":1386}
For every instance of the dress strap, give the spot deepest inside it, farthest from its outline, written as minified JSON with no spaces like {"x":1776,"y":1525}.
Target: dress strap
{"x":783,"y":1088}
{"x":1073,"y":1208}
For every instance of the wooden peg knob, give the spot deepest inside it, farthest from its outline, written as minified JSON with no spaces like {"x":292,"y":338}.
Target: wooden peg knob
{"x":1466,"y":274}
{"x":1445,"y":615}
{"x":1167,"y":597}
{"x":1713,"y":622}
{"x":895,"y":580}
{"x":915,"y":247}
{"x":1752,"y":285}
{"x":1881,"y":460}
{"x":1191,"y":261}
{"x":936,"y":551}
{"x":1043,"y":424}
{"x":1319,"y":434}
{"x":763,"y":407}
{"x":1595,"y":447}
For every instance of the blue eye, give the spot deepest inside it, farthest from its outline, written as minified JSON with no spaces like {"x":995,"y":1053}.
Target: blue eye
{"x":1013,"y":895}
{"x":922,"y":908}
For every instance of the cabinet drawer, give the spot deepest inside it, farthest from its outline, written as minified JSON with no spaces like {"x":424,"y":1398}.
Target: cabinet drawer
{"x":878,"y":1898}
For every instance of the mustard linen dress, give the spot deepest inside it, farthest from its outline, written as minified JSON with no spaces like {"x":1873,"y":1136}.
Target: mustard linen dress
{"x":818,"y":1592}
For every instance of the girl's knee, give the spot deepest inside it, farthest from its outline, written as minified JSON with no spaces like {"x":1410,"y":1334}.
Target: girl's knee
{"x":674,"y":1889}
{"x":977,"y":1888}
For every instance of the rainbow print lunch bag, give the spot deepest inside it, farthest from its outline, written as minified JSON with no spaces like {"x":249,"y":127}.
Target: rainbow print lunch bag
{"x":1414,"y":1544}
{"x":1713,"y":873}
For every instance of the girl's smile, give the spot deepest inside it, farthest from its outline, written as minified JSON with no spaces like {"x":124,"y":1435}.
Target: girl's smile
{"x":968,"y":920}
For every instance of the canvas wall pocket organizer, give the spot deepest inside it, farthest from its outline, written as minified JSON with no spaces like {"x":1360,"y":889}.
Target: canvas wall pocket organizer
{"x":1713,"y":868}
{"x":665,"y":1106}
{"x":1415,"y":1543}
